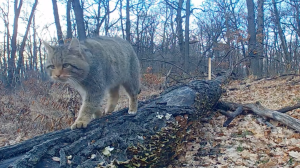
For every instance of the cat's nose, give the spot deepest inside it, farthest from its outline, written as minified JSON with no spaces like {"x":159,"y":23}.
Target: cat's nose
{"x":57,"y":75}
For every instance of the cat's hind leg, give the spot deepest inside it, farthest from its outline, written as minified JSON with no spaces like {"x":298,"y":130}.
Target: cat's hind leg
{"x":113,"y":97}
{"x":132,"y":92}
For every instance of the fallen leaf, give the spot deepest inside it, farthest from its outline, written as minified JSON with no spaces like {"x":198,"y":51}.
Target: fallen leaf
{"x":295,"y":155}
{"x":56,"y":159}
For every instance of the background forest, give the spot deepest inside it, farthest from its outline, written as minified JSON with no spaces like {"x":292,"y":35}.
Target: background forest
{"x":260,"y":38}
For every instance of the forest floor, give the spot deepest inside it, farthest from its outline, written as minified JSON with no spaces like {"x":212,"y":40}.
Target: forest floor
{"x":244,"y":143}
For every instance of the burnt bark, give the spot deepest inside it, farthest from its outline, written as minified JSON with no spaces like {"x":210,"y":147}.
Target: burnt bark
{"x":151,"y":138}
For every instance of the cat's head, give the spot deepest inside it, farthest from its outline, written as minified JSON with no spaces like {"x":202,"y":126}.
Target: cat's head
{"x":67,"y":62}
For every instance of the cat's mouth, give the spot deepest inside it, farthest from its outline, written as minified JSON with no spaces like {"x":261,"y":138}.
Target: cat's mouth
{"x":60,"y":78}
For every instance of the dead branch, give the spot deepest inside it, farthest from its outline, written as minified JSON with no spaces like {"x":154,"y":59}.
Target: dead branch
{"x":285,"y":119}
{"x":289,"y":108}
{"x":258,"y":109}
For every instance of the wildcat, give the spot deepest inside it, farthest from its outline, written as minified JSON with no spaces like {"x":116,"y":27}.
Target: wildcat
{"x":94,"y":67}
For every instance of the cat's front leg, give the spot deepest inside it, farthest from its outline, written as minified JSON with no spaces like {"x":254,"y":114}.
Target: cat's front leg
{"x":85,"y":114}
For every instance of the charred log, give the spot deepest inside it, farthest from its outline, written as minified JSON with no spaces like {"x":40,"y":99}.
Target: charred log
{"x":151,"y":138}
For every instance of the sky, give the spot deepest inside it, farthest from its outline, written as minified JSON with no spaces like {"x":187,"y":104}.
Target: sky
{"x":45,"y":18}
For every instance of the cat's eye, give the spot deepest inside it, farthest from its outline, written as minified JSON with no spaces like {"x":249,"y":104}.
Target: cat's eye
{"x":66,"y":65}
{"x":50,"y":67}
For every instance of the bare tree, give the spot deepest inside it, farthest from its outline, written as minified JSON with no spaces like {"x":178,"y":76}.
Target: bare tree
{"x":187,"y":38}
{"x":296,"y":6}
{"x":127,"y":21}
{"x":281,"y":34}
{"x":11,"y":60}
{"x":69,"y":24}
{"x":260,"y":34}
{"x":101,"y":17}
{"x":252,"y":37}
{"x":57,"y":23}
{"x":121,"y":19}
{"x":78,"y":10}
{"x":179,"y":29}
{"x":20,"y":63}
{"x":40,"y":57}
{"x":34,"y":59}
{"x":6,"y":39}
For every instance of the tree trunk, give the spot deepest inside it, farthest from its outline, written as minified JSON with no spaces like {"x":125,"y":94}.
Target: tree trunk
{"x":20,"y":63}
{"x":11,"y":59}
{"x":281,"y":36}
{"x":252,"y":40}
{"x":127,"y":21}
{"x":260,"y":35}
{"x":154,"y":137}
{"x":296,"y":6}
{"x":69,"y":24}
{"x":79,"y":19}
{"x":3,"y":67}
{"x":6,"y":41}
{"x":121,"y":19}
{"x":57,"y":23}
{"x":5,"y":50}
{"x":187,"y":38}
{"x":179,"y":30}
{"x":34,"y":46}
{"x":107,"y":17}
{"x":99,"y":22}
{"x":40,"y":58}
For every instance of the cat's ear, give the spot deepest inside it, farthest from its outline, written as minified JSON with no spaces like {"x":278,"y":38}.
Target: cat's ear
{"x":74,"y":44}
{"x":48,"y":47}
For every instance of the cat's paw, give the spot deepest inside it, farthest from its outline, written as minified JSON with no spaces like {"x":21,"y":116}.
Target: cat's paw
{"x":131,"y":112}
{"x":79,"y":124}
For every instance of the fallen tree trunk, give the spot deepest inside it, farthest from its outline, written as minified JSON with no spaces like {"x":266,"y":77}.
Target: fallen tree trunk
{"x":153,"y":137}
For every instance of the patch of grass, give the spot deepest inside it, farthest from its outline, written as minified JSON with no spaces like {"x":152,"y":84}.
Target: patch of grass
{"x":239,"y":149}
{"x":290,"y":161}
